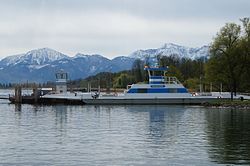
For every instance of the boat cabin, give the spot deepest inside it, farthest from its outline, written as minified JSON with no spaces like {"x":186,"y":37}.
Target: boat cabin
{"x":159,"y":82}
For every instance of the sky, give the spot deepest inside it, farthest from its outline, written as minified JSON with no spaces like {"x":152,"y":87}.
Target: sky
{"x":112,"y":27}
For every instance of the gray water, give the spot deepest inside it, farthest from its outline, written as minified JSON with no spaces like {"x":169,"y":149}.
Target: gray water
{"x":123,"y":135}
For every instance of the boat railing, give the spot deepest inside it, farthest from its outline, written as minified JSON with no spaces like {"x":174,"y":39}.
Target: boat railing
{"x":171,"y":80}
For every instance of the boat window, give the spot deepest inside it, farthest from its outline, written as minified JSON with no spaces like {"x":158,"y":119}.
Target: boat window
{"x":157,"y":86}
{"x":157,"y":73}
{"x":172,"y":90}
{"x":141,"y":90}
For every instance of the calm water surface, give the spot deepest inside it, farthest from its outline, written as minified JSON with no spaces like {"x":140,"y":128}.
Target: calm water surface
{"x":123,"y":135}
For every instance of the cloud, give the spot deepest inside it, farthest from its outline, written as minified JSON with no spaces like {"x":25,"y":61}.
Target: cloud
{"x":111,"y":27}
{"x":145,"y":8}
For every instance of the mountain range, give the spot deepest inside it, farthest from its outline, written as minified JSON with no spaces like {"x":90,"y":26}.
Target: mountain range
{"x":40,"y":65}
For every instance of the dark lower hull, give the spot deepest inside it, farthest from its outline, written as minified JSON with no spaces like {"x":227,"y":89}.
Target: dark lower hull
{"x":156,"y":101}
{"x":47,"y":101}
{"x":117,"y":101}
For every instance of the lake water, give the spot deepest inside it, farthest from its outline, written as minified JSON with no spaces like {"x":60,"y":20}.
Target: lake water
{"x":122,"y":135}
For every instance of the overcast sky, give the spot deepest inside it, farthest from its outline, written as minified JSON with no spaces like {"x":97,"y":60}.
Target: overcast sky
{"x":112,"y":27}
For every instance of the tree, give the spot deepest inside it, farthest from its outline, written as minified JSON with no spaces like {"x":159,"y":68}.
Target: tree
{"x":245,"y":47}
{"x":226,"y":60}
{"x":123,"y":80}
{"x":138,"y":70}
{"x":192,"y":84}
{"x":173,"y":59}
{"x":173,"y":71}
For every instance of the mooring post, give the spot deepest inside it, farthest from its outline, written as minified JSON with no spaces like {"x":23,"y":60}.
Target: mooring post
{"x":18,"y":94}
{"x":35,"y":93}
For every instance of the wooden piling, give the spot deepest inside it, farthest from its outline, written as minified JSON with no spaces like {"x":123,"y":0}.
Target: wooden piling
{"x":35,"y":94}
{"x":18,"y":94}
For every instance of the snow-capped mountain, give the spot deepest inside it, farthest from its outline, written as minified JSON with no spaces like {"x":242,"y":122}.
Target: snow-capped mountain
{"x":34,"y":57}
{"x":40,"y":65}
{"x":172,"y":49}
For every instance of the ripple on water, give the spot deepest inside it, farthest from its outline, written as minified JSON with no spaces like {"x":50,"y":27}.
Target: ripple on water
{"x":122,"y":135}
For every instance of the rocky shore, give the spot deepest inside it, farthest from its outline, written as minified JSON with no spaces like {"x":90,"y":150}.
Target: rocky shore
{"x":235,"y":104}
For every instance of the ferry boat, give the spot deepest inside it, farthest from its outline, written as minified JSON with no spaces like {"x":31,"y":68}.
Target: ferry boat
{"x":160,"y":89}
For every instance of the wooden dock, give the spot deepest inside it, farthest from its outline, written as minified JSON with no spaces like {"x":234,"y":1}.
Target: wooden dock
{"x":6,"y":97}
{"x":38,"y":97}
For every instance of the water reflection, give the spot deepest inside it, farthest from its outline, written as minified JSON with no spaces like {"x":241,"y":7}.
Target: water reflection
{"x":228,"y":134}
{"x":18,"y":111}
{"x":163,"y":125}
{"x":60,"y":115}
{"x":125,"y":135}
{"x":18,"y":108}
{"x":157,"y":123}
{"x":161,"y":122}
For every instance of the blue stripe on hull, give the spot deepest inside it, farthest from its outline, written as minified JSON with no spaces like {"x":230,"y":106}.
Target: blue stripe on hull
{"x":158,"y":90}
{"x":132,"y":91}
{"x":182,"y":90}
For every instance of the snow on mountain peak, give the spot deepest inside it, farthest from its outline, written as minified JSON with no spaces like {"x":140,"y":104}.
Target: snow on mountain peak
{"x":11,"y":59}
{"x":169,"y":49}
{"x":34,"y":57}
{"x":43,"y":56}
{"x":80,"y":55}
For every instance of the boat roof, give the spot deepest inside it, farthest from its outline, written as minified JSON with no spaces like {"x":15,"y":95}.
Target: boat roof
{"x":155,"y":68}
